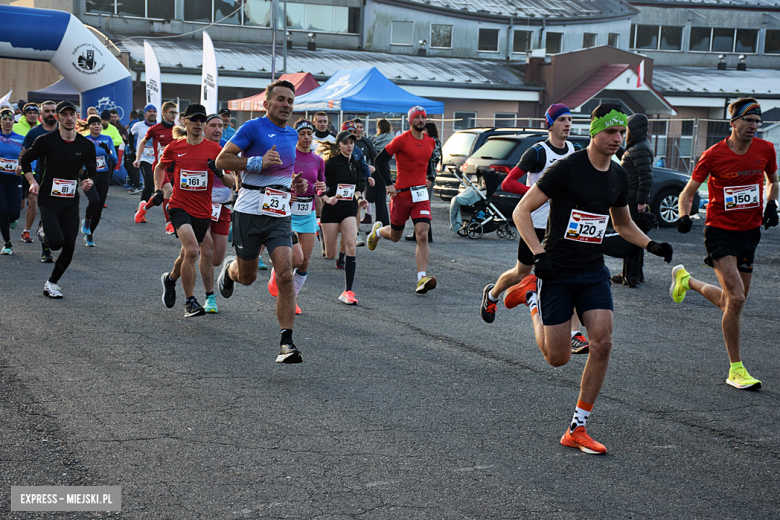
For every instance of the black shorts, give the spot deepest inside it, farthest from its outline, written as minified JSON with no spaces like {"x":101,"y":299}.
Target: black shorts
{"x":338,"y":212}
{"x":740,"y":244}
{"x":524,"y":255}
{"x":584,"y":292}
{"x":179,"y":217}
{"x":26,"y":185}
{"x":250,"y":232}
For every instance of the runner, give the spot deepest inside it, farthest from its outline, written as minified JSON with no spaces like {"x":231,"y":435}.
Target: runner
{"x":161,"y":136}
{"x":736,"y":168}
{"x":105,"y":157}
{"x":262,"y":212}
{"x":534,"y":163}
{"x":584,"y":190}
{"x":321,"y":134}
{"x":413,"y":150}
{"x":10,"y":183}
{"x":61,"y":155}
{"x":144,"y":157}
{"x":192,"y":161}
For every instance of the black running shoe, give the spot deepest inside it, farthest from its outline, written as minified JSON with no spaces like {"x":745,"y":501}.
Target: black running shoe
{"x":288,"y":353}
{"x":488,"y":308}
{"x":579,"y":344}
{"x":169,"y":291}
{"x":224,"y":283}
{"x":193,"y":308}
{"x":340,"y":263}
{"x":46,"y":257}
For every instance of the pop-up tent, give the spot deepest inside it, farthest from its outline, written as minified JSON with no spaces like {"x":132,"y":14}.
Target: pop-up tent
{"x":62,"y":90}
{"x":304,"y":82}
{"x":363,"y":91}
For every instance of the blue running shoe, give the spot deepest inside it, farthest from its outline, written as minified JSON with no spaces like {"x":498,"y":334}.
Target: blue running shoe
{"x":85,"y":227}
{"x":261,"y":265}
{"x":88,"y":241}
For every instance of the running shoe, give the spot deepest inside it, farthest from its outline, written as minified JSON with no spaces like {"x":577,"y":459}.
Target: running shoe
{"x":169,"y":291}
{"x":261,"y":265}
{"x":348,"y":297}
{"x":579,"y":438}
{"x":373,"y":237}
{"x":617,"y":279}
{"x":366,"y":219}
{"x":579,"y":344}
{"x":169,"y":229}
{"x":272,"y":288}
{"x":46,"y":258}
{"x":288,"y":353}
{"x":135,"y":191}
{"x":340,"y":263}
{"x":52,"y":290}
{"x":359,"y":241}
{"x":85,"y":227}
{"x":26,"y":237}
{"x":7,"y":250}
{"x":211,"y":304}
{"x":192,"y":308}
{"x":225,"y":284}
{"x":12,"y":225}
{"x":739,"y":378}
{"x":518,"y":293}
{"x":41,"y":235}
{"x":488,"y":308}
{"x":298,"y":309}
{"x":88,"y":241}
{"x":140,"y":214}
{"x":426,"y":283}
{"x":679,"y":286}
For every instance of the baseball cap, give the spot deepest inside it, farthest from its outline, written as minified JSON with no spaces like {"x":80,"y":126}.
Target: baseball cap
{"x":105,"y":115}
{"x":224,"y":111}
{"x":344,"y":135}
{"x":348,"y":125}
{"x":194,"y":110}
{"x":64,"y":105}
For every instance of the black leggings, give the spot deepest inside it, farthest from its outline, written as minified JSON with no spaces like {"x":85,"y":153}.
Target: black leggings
{"x":378,"y":195}
{"x":133,"y":176}
{"x":61,"y":226}
{"x":10,"y":198}
{"x":97,"y":197}
{"x":148,"y":173}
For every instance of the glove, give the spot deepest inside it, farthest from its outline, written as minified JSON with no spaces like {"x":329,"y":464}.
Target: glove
{"x":543,"y":267}
{"x":684,"y":224}
{"x":213,"y":167}
{"x":770,"y":215}
{"x":158,"y":198}
{"x":105,"y":147}
{"x":663,"y":250}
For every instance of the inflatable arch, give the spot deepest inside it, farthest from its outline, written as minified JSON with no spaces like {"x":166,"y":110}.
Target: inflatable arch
{"x":61,"y":39}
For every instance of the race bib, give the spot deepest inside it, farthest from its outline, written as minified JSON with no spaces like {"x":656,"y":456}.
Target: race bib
{"x":586,"y":227}
{"x":275,"y":203}
{"x":8,"y":165}
{"x":216,"y":210}
{"x":419,"y":193}
{"x":302,"y":206}
{"x":101,"y":162}
{"x":63,"y":188}
{"x":193,"y":181}
{"x":742,"y":197}
{"x":149,"y":152}
{"x":345,"y":191}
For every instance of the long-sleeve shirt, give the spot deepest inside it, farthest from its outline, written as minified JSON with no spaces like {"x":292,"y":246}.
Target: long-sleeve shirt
{"x":343,"y":170}
{"x":104,"y":159}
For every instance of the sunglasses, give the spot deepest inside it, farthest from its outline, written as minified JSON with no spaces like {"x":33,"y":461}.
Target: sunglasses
{"x":198,"y":119}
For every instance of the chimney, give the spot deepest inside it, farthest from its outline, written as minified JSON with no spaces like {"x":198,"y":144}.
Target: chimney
{"x":533,"y":70}
{"x":721,"y":62}
{"x":741,"y":65}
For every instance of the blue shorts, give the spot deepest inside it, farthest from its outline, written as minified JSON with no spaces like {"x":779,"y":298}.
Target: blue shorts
{"x":584,"y":292}
{"x":305,"y":223}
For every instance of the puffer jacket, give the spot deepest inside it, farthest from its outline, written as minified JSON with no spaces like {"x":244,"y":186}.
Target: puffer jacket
{"x":638,"y":159}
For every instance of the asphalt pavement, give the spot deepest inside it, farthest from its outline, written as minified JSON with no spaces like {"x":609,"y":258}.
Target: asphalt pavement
{"x":405,"y":406}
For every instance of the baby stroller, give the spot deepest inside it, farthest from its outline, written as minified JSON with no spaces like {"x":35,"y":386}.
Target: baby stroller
{"x":486,"y":218}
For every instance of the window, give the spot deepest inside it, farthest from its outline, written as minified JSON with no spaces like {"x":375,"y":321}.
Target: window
{"x":501,"y":119}
{"x":671,"y":38}
{"x":227,"y":11}
{"x":496,"y":148}
{"x":522,"y":41}
{"x":709,"y":39}
{"x":197,"y":11}
{"x":686,"y":139}
{"x":129,"y":7}
{"x":256,"y":13}
{"x":463,"y":120}
{"x":554,"y":43}
{"x":488,"y":40}
{"x":747,"y":41}
{"x":159,"y":9}
{"x":589,"y":40}
{"x":401,"y":33}
{"x":303,"y":17}
{"x":700,"y":39}
{"x":319,"y":17}
{"x":459,"y":144}
{"x":296,"y":16}
{"x":656,"y":37}
{"x":772,"y":42}
{"x":722,"y":40}
{"x":613,"y":40}
{"x":646,"y":36}
{"x":441,"y":36}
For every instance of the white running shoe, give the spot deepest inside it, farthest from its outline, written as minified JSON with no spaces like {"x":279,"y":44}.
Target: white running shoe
{"x":52,"y":290}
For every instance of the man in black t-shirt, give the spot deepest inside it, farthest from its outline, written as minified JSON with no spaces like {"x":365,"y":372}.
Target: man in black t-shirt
{"x":584,"y":190}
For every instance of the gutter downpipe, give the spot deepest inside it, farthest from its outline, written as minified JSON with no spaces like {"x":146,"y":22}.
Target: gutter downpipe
{"x":509,"y":50}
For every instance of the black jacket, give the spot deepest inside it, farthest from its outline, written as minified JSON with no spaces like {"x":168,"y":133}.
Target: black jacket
{"x":638,"y":160}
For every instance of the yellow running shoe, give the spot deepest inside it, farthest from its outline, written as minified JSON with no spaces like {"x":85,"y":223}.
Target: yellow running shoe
{"x":679,"y":286}
{"x":739,"y":378}
{"x":373,"y":237}
{"x":425,"y":284}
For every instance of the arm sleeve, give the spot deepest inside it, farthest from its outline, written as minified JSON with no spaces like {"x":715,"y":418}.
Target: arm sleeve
{"x":555,"y":179}
{"x":32,"y":153}
{"x":643,"y":162}
{"x":512,"y":183}
{"x":383,"y":166}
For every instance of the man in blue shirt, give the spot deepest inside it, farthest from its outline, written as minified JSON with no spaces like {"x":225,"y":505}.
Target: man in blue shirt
{"x":229,"y":131}
{"x":261,"y":214}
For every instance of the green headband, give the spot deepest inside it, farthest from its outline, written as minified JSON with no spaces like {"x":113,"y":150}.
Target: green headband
{"x":613,"y":118}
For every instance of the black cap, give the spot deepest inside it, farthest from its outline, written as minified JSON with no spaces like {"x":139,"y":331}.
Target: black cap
{"x":194,"y":110}
{"x":63,"y":105}
{"x":343,"y":135}
{"x":105,"y":115}
{"x":94,"y":119}
{"x":212,"y":116}
{"x":224,"y":111}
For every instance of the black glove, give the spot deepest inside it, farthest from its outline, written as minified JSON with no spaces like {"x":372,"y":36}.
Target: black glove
{"x":684,"y":224}
{"x":213,"y":167}
{"x":158,"y":198}
{"x":770,"y":215}
{"x":105,"y":147}
{"x":543,"y":267}
{"x":663,"y":250}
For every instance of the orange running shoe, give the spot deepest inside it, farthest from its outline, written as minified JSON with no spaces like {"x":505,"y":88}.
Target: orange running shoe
{"x":298,"y":309}
{"x":169,"y":228}
{"x":348,"y":297}
{"x":140,"y":215}
{"x":516,"y":294}
{"x":579,"y":438}
{"x":272,"y":288}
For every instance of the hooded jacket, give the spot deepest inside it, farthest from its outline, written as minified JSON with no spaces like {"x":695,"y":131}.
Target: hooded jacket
{"x":638,"y":159}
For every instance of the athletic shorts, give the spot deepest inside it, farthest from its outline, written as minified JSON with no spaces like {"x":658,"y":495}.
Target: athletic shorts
{"x":402,"y":208}
{"x":338,"y":212}
{"x":524,"y":254}
{"x":250,"y":232}
{"x":179,"y":217}
{"x":305,"y":223}
{"x":740,"y":244}
{"x":222,"y":226}
{"x":584,"y":292}
{"x":26,"y":185}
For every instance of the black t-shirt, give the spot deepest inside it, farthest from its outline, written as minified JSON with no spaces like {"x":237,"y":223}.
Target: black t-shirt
{"x":575,"y":186}
{"x":535,"y":158}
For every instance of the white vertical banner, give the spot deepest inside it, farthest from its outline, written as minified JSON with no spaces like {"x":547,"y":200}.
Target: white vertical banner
{"x":153,"y":84}
{"x":208,"y":81}
{"x":640,"y":74}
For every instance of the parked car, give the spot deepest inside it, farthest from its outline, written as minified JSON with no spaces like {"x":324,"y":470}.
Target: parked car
{"x":502,"y":153}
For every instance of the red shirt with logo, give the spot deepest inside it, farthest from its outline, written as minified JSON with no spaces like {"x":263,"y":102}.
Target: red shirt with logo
{"x":736,"y":183}
{"x":161,"y":137}
{"x":412,"y":156}
{"x":192,"y":179}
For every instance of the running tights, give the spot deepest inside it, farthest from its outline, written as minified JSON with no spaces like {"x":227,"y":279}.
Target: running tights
{"x":146,"y":171}
{"x":10,"y":197}
{"x":97,"y":197}
{"x":61,"y":226}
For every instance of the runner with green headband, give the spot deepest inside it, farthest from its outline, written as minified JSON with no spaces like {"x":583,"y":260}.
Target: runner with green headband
{"x":584,"y":190}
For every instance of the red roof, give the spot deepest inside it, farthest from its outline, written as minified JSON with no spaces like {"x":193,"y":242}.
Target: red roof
{"x":304,"y":82}
{"x":597,"y":82}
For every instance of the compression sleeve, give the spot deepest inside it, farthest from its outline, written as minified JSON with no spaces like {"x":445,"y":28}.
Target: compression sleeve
{"x":383,"y":166}
{"x":511,"y":183}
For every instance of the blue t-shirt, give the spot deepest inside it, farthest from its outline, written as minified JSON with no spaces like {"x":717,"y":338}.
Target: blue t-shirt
{"x":10,"y":148}
{"x":255,"y":138}
{"x":228,"y":132}
{"x":103,"y":159}
{"x":30,"y":138}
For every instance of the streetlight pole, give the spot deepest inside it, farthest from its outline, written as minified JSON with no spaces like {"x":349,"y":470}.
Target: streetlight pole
{"x":284,"y":60}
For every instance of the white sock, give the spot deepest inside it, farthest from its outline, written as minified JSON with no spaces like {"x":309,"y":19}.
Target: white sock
{"x":579,"y":419}
{"x":532,"y":302}
{"x":574,"y":333}
{"x":420,"y":275}
{"x":492,"y":298}
{"x":298,"y":280}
